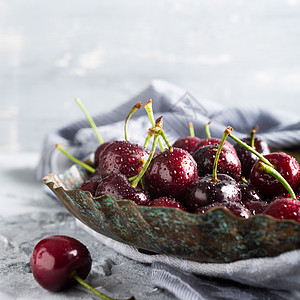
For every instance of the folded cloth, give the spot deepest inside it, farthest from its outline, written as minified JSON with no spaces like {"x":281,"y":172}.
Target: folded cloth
{"x":273,"y":278}
{"x":178,"y":107}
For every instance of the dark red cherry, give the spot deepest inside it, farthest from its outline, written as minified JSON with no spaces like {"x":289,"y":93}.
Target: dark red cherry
{"x":187,"y":143}
{"x":247,"y":158}
{"x":122,"y":157}
{"x":269,"y":186}
{"x":252,"y":199}
{"x":237,"y":208}
{"x":118,"y":186}
{"x":98,"y":153}
{"x":284,"y":208}
{"x":167,"y":202}
{"x":55,"y":258}
{"x":170,"y":173}
{"x":206,"y":190}
{"x":228,"y":162}
{"x":211,"y":141}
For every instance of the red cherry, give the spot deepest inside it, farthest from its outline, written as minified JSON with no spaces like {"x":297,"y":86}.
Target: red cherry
{"x":98,"y":152}
{"x":269,"y":186}
{"x":54,"y":260}
{"x":122,"y":157}
{"x":167,"y":202}
{"x":247,"y":158}
{"x":237,"y":208}
{"x":118,"y":186}
{"x":284,"y":208}
{"x":228,"y":162}
{"x":211,"y":141}
{"x":206,"y":190}
{"x":170,"y":173}
{"x":186,"y":143}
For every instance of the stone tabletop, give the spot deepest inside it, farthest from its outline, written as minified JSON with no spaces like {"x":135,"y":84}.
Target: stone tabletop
{"x":104,"y":52}
{"x":27,"y":215}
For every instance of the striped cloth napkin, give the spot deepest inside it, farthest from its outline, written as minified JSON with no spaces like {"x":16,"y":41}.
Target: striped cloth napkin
{"x":264,"y":278}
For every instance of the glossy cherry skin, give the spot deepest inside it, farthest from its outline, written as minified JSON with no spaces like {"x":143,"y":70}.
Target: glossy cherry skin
{"x":237,"y":208}
{"x":228,"y":162}
{"x":284,"y":208}
{"x":98,"y":153}
{"x":205,"y":191}
{"x":55,"y":258}
{"x":122,"y":157}
{"x":170,"y":173}
{"x":247,"y":158}
{"x":252,"y":199}
{"x":211,"y":141}
{"x":167,"y":202}
{"x":270,"y":187}
{"x":186,"y":143}
{"x":118,"y":186}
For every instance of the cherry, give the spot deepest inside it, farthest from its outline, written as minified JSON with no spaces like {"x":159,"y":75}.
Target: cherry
{"x":252,"y":198}
{"x":212,"y":141}
{"x":59,"y":262}
{"x":91,"y":184}
{"x":118,"y":186}
{"x":286,"y":165}
{"x":187,"y":143}
{"x":206,"y":190}
{"x":167,"y":202}
{"x":170,"y":173}
{"x":248,"y":158}
{"x":284,"y":208}
{"x":98,"y":152}
{"x":228,"y":163}
{"x":122,"y":157}
{"x":237,"y":208}
{"x":55,"y":259}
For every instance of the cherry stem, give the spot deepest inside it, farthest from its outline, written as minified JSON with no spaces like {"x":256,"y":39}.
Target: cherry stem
{"x":156,"y":131}
{"x":191,"y":128}
{"x":137,"y":106}
{"x":252,"y":136}
{"x":262,"y":158}
{"x":91,"y":121}
{"x":149,"y":110}
{"x":271,"y":171}
{"x":75,"y":160}
{"x":223,"y":139}
{"x":207,"y":130}
{"x":90,"y":288}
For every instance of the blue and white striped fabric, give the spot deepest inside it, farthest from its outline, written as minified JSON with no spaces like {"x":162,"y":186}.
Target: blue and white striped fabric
{"x":178,"y":107}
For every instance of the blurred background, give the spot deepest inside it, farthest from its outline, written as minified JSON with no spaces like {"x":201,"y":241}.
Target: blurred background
{"x":105,"y":52}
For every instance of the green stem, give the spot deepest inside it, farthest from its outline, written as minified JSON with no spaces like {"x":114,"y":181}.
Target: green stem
{"x":137,"y":106}
{"x":271,"y":171}
{"x":136,"y":179}
{"x":262,"y":158}
{"x":75,"y":160}
{"x":86,"y":285}
{"x":207,"y":130}
{"x":224,"y":137}
{"x":191,"y":128}
{"x":149,"y":110}
{"x":91,"y":121}
{"x":252,"y":136}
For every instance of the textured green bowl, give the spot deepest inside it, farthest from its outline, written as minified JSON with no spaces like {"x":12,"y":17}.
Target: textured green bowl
{"x":215,"y":236}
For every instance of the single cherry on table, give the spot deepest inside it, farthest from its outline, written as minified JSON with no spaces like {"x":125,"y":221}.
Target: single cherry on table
{"x":59,"y":262}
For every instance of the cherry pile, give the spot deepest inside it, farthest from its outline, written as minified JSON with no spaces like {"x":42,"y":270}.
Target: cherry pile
{"x":195,"y":174}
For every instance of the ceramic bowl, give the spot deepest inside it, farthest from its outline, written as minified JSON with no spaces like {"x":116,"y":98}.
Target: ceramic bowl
{"x":216,"y":236}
